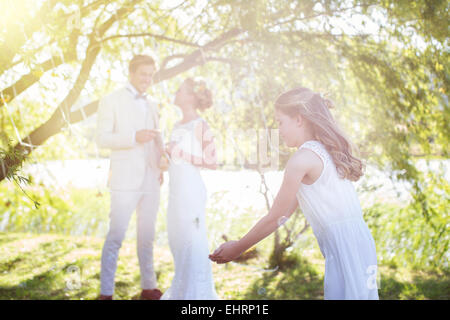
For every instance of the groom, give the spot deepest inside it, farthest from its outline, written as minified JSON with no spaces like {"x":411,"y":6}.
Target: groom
{"x":127,"y":124}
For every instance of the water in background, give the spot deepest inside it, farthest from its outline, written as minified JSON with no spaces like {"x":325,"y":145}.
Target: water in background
{"x":232,"y":195}
{"x":242,"y":187}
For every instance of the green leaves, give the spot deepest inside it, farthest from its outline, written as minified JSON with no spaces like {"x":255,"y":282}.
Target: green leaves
{"x":390,"y":83}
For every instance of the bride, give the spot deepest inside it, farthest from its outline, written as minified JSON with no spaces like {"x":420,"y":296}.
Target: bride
{"x":191,"y":147}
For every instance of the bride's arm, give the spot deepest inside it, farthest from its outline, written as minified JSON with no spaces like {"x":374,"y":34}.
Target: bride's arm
{"x":208,"y":147}
{"x":209,"y":160}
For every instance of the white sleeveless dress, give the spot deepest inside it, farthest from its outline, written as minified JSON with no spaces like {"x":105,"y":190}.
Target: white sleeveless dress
{"x":186,"y":222}
{"x":332,"y":208}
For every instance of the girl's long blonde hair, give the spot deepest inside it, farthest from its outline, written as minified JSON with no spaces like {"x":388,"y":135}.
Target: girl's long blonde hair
{"x":315,"y":109}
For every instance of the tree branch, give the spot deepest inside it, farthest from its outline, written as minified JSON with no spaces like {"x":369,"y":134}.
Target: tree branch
{"x":189,"y":62}
{"x":11,"y":92}
{"x":61,"y":116}
{"x":196,"y":57}
{"x":17,"y":40}
{"x":147,"y":34}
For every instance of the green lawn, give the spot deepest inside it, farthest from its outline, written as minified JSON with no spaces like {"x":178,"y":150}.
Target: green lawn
{"x":51,"y":266}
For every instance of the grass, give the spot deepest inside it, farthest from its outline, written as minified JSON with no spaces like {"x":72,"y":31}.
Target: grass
{"x":53,"y":266}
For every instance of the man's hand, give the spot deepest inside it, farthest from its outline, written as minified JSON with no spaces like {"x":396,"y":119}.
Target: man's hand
{"x":146,"y":135}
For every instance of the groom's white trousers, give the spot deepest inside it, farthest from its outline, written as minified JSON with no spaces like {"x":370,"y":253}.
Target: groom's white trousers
{"x":123,"y":204}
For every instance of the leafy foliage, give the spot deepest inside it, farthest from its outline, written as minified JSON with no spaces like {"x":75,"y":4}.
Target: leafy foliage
{"x":385,"y":63}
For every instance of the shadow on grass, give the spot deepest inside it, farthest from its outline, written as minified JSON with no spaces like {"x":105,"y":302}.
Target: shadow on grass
{"x":11,"y":264}
{"x":427,"y":285}
{"x":39,"y":287}
{"x":44,"y":273}
{"x":301,"y":281}
{"x":53,"y":283}
{"x":297,"y":282}
{"x":52,"y":249}
{"x":7,"y":238}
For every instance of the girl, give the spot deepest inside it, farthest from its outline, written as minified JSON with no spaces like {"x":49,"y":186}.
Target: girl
{"x":318,"y":179}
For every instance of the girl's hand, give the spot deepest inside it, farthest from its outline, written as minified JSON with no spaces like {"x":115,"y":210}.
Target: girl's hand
{"x":228,"y":251}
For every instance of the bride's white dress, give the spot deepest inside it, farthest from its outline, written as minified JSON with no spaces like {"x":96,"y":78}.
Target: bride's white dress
{"x":186,"y":225}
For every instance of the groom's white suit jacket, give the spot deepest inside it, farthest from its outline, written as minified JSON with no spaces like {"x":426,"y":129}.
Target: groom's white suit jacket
{"x":119,"y":116}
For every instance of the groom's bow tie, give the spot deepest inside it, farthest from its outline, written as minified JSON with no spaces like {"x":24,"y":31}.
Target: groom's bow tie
{"x":138,"y":96}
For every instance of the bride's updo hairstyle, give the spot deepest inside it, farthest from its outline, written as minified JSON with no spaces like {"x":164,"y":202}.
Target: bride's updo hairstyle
{"x":202,"y":94}
{"x":315,"y":109}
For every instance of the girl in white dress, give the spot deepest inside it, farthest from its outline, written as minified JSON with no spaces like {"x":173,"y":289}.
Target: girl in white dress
{"x":318,"y":179}
{"x":191,"y":147}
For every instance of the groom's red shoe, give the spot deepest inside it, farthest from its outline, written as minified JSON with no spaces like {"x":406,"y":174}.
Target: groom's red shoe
{"x":103,"y":297}
{"x":151,"y":294}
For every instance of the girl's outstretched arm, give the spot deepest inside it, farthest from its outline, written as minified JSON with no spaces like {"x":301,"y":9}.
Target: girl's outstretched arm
{"x":284,"y":205}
